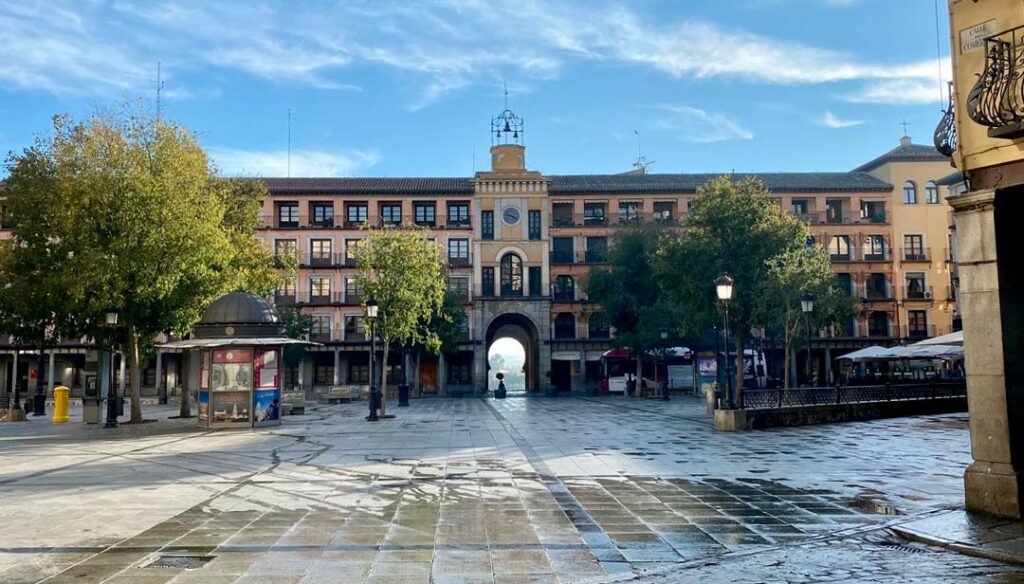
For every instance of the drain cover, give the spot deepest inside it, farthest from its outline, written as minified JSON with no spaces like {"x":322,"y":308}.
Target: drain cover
{"x":186,"y":562}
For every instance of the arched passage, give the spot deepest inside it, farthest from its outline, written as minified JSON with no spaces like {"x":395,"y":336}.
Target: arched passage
{"x":521,"y":329}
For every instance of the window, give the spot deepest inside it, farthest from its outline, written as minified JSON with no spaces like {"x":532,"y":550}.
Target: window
{"x":458,"y":214}
{"x":487,"y":282}
{"x":323,"y":373}
{"x":800,"y":207}
{"x":288,"y":215}
{"x":931,"y":193}
{"x":597,"y":326}
{"x":561,"y":250}
{"x":565,"y":288}
{"x":873,"y":248}
{"x":320,"y":252}
{"x":287,"y":289}
{"x":323,"y":214}
{"x":913,"y":248}
{"x":285,"y":248}
{"x":458,"y":253}
{"x":320,"y":289}
{"x":535,"y":281}
{"x":561,"y":214}
{"x":359,"y":373}
{"x":390,"y":214}
{"x":459,"y":373}
{"x":909,"y":193}
{"x":876,"y":287}
{"x":916,"y":289}
{"x":845,"y":282}
{"x":424,"y":214}
{"x":5,"y":217}
{"x":839,"y":248}
{"x":354,"y":330}
{"x":878,"y":324}
{"x":350,"y":250}
{"x":594,"y":213}
{"x":917,"y":324}
{"x":873,"y":211}
{"x":320,"y":325}
{"x":565,"y":326}
{"x":834,"y":212}
{"x":597,"y":249}
{"x":664,"y":211}
{"x":355,"y":214}
{"x":487,"y":225}
{"x":353,"y":293}
{"x":459,"y":287}
{"x":511,"y":275}
{"x":533,"y":224}
{"x":629,"y":210}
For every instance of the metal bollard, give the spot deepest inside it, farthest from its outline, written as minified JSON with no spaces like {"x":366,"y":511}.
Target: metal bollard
{"x":60,"y":404}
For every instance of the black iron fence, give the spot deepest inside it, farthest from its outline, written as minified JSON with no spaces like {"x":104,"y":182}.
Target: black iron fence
{"x":754,"y":399}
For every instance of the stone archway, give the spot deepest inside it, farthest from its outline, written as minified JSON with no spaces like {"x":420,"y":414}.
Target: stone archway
{"x":523,"y":330}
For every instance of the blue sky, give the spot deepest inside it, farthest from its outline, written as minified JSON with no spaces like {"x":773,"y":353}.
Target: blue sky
{"x":407,"y":88}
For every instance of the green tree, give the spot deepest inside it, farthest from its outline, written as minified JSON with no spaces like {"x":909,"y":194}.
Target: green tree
{"x":735,"y":228}
{"x":790,"y":275}
{"x":149,"y":227}
{"x":627,"y":291}
{"x":296,"y":325}
{"x":402,"y":270}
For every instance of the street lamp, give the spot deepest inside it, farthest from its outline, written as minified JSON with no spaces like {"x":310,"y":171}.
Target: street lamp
{"x":664,"y":360}
{"x":723,"y":288}
{"x":371,"y":314}
{"x":807,"y":305}
{"x":111,"y":320}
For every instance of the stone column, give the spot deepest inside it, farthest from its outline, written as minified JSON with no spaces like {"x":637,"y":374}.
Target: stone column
{"x":582,"y":374}
{"x":52,"y":371}
{"x":992,"y":481}
{"x":120,"y":374}
{"x":158,"y":380}
{"x":337,"y":366}
{"x":828,"y":366}
{"x":481,"y":381}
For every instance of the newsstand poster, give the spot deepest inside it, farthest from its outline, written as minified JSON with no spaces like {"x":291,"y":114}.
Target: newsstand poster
{"x":267,"y":394}
{"x":204,"y":406}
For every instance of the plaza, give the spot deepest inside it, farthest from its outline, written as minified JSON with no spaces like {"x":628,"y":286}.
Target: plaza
{"x":480,"y":490}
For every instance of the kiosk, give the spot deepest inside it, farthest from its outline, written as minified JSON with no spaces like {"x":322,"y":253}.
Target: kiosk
{"x":239,"y":343}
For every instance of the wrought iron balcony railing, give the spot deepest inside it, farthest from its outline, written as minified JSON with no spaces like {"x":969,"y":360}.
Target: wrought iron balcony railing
{"x":945,"y":132}
{"x":997,"y":99}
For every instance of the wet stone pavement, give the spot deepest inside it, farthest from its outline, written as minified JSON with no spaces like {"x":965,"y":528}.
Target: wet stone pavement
{"x":470,"y":490}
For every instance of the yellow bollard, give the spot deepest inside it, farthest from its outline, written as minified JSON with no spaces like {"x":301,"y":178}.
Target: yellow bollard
{"x":60,"y":404}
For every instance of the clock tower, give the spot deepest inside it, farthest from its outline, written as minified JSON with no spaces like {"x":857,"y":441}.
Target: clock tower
{"x":511,"y":254}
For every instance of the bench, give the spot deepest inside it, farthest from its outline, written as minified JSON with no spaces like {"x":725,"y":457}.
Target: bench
{"x":293,"y":403}
{"x":344,"y":392}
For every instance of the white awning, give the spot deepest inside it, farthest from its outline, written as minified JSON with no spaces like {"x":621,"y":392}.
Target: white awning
{"x":233,"y":342}
{"x":872,"y":353}
{"x":956,"y":338}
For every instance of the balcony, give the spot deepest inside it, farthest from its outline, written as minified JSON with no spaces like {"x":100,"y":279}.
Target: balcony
{"x":602,"y":220}
{"x":320,"y":299}
{"x":917,"y":332}
{"x":355,"y":223}
{"x":873,"y":256}
{"x":283,"y":299}
{"x":916,"y":255}
{"x":839,"y":258}
{"x":458,"y":222}
{"x":322,"y":223}
{"x":945,"y":133}
{"x":563,"y":257}
{"x":920,"y":293}
{"x":595,"y":256}
{"x":997,"y":100}
{"x":835,"y":217}
{"x":459,"y":262}
{"x":872,"y":294}
{"x":563,"y":294}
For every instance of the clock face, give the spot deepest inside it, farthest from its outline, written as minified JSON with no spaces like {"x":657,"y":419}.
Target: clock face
{"x":510,"y":215}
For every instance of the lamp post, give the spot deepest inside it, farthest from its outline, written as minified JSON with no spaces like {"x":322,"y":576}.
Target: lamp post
{"x":807,"y":305}
{"x":723,"y":288}
{"x":371,"y":315}
{"x":111,"y":321}
{"x":664,"y":361}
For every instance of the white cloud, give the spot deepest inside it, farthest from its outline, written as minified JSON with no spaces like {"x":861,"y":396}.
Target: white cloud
{"x":438,"y":47}
{"x":842,"y":3}
{"x":304,"y":163}
{"x":897,"y":91}
{"x":830,"y":120}
{"x":696,"y":125}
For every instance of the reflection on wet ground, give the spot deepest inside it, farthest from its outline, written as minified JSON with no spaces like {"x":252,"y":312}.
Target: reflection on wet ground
{"x":524,"y":490}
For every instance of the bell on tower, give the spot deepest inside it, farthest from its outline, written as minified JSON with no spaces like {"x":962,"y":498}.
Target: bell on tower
{"x":507,"y":150}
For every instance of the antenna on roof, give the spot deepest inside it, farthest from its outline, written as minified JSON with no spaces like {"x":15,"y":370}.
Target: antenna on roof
{"x":641,"y":163}
{"x":505,"y":85}
{"x":289,"y":142}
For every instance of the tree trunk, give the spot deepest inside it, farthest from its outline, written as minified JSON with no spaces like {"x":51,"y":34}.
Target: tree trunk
{"x":384,"y":380}
{"x":786,"y":350}
{"x":639,"y":374}
{"x":416,"y":374}
{"x":739,"y":370}
{"x":134,"y":377}
{"x":186,"y":384}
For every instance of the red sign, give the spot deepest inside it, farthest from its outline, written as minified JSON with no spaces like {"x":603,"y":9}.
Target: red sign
{"x":232,"y":356}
